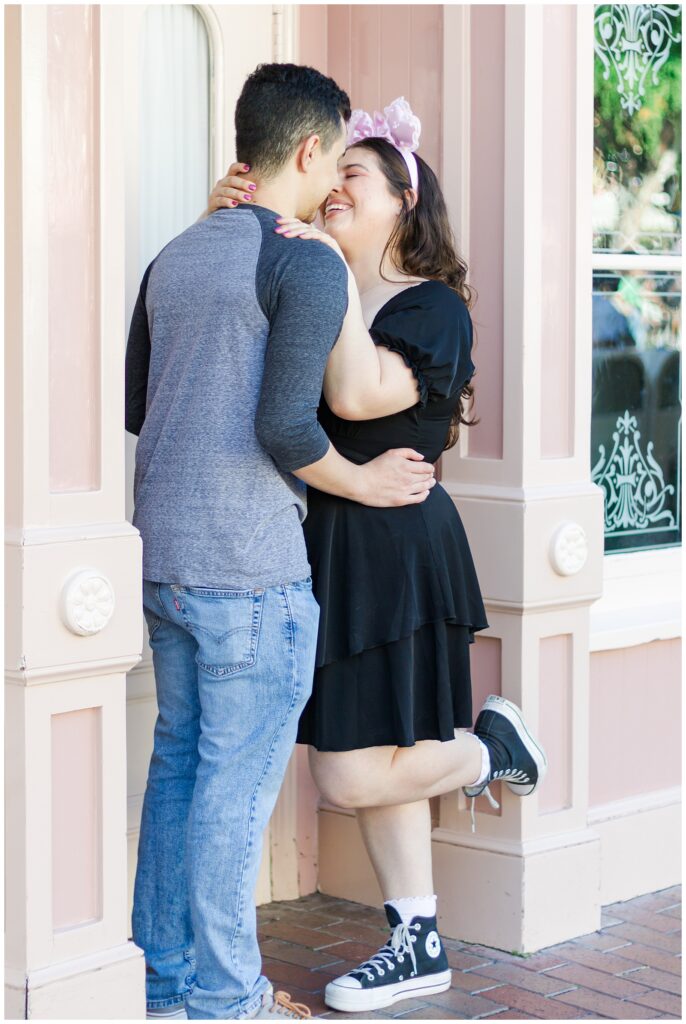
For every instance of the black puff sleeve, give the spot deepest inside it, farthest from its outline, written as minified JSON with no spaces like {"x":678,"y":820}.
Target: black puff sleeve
{"x":430,"y":327}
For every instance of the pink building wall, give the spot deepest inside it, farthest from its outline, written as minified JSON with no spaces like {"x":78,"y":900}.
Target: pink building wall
{"x":379,"y":52}
{"x":635,"y":721}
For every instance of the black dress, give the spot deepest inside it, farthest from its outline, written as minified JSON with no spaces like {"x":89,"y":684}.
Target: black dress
{"x":397,"y":589}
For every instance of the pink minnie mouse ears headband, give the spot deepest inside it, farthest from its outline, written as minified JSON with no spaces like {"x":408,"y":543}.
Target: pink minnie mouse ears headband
{"x":397,"y":124}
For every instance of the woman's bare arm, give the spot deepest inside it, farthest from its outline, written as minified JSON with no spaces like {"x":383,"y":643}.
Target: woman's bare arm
{"x":362,"y":381}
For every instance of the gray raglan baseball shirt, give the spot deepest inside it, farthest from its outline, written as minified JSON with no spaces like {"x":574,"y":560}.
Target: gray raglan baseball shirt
{"x":224,"y":366}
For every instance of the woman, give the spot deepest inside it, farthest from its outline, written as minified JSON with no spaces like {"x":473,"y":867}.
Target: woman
{"x":400,"y":602}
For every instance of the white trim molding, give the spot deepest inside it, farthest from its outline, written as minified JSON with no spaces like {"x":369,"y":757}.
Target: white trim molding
{"x":214,"y":35}
{"x":641,"y":599}
{"x":286,"y":33}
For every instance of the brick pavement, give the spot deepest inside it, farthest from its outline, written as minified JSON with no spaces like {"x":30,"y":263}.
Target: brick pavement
{"x":630,"y":969}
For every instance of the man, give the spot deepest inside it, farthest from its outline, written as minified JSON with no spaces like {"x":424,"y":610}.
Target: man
{"x":224,"y":367}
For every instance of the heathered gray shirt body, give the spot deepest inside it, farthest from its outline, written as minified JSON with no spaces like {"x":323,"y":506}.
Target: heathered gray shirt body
{"x":224,"y":367}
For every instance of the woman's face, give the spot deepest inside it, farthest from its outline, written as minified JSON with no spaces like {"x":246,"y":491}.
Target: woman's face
{"x":360,"y":211}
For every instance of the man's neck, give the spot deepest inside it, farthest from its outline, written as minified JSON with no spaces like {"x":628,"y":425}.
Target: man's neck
{"x":278,"y":195}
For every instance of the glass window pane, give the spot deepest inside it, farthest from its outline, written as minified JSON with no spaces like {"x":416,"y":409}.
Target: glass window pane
{"x":637,"y":128}
{"x":636,"y":410}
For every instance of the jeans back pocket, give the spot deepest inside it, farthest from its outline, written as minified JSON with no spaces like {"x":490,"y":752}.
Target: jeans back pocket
{"x":225,"y":624}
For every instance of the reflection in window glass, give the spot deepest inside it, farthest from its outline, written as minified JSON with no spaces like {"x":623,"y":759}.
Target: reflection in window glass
{"x":636,"y":411}
{"x":637,"y":128}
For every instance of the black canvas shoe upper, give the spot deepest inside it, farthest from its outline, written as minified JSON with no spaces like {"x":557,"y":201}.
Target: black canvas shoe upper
{"x":413,"y":949}
{"x":515,"y":756}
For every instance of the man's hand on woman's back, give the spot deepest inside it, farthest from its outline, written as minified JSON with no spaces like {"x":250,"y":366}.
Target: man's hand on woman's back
{"x":398,"y":477}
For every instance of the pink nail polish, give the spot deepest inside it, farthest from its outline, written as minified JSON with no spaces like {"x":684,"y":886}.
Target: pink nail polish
{"x":252,"y":187}
{"x":248,"y":198}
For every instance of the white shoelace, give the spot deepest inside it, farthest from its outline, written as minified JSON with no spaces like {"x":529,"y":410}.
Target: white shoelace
{"x":491,"y":799}
{"x":400,"y":944}
{"x":512,"y":774}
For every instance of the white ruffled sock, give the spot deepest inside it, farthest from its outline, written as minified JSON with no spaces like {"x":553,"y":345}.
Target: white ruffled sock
{"x":485,"y":763}
{"x":414,"y":906}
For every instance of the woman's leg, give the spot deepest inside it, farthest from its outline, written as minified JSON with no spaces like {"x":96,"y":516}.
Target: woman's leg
{"x":378,"y":776}
{"x":413,"y":962}
{"x":398,"y":841}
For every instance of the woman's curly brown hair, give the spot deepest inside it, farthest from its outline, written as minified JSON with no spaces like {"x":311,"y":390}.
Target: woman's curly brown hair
{"x":423,"y":244}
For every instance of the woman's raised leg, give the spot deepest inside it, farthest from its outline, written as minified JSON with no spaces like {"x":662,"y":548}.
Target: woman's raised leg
{"x":382,"y":776}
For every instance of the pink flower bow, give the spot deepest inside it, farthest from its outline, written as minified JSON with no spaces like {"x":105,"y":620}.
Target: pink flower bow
{"x":398,"y":125}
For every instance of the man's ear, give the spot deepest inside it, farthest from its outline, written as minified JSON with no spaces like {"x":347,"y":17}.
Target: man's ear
{"x":307,"y":151}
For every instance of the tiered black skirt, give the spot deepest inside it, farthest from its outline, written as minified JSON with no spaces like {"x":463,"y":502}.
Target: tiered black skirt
{"x":399,"y":605}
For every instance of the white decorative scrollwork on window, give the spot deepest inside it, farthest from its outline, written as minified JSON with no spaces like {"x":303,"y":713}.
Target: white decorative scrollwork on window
{"x":634,"y":40}
{"x":634,"y":484}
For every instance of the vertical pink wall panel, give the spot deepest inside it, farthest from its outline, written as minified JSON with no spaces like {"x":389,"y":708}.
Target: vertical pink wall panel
{"x":76,"y":817}
{"x":379,"y":52}
{"x":339,"y":45}
{"x":314,"y":36}
{"x":72,"y":185}
{"x":635,"y":721}
{"x":555,"y":720}
{"x":557,"y":256}
{"x":366,"y":55}
{"x":396,"y":34}
{"x":307,"y":831}
{"x":486,"y":232}
{"x":426,"y":79}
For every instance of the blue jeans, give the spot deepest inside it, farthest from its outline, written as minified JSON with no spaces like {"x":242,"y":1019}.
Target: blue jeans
{"x":233,"y":671}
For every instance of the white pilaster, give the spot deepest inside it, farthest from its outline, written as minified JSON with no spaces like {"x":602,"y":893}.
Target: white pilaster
{"x":67,"y":953}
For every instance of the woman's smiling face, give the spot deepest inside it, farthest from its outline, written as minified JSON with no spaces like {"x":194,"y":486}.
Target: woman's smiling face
{"x":360,"y":211}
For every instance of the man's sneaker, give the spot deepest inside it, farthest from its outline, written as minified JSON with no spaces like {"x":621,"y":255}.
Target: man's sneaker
{"x":516,"y":758}
{"x":412,"y":964}
{"x":280,"y":1004}
{"x":176,"y":1012}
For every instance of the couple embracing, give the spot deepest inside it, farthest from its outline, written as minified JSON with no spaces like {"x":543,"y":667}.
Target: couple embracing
{"x":306,"y":579}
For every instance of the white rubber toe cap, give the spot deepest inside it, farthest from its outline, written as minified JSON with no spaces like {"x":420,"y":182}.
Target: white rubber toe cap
{"x":347,"y":982}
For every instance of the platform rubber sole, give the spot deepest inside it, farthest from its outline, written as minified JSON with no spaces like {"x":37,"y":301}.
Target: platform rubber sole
{"x":357,"y":1000}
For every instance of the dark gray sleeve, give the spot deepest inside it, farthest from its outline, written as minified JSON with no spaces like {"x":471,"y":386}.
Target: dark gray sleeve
{"x":306,"y":308}
{"x":137,"y":363}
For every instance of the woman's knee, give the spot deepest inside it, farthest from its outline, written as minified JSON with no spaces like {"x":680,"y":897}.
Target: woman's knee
{"x":345,"y":779}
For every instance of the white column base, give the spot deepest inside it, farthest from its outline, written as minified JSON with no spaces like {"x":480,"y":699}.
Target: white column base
{"x":109,"y":985}
{"x":520,"y":901}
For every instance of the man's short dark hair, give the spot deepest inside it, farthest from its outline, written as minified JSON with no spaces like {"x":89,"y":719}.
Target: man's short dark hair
{"x":280,"y":105}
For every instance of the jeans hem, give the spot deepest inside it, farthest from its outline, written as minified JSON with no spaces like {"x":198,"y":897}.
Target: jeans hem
{"x":255,"y":1005}
{"x":160,"y":1004}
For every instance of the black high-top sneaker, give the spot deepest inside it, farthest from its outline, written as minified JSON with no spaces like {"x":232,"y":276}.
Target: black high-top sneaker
{"x":516,"y":757}
{"x":413,"y":963}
